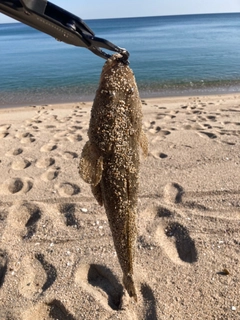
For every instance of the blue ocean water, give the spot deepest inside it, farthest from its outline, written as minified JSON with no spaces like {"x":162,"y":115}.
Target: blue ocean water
{"x":171,"y":55}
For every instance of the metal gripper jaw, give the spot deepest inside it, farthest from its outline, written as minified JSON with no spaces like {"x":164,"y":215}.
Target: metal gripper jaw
{"x":60,"y":24}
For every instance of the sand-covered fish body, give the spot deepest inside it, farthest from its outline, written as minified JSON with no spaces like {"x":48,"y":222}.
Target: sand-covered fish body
{"x":110,"y":159}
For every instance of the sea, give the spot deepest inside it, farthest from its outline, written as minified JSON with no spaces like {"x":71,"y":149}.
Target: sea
{"x":170,"y":56}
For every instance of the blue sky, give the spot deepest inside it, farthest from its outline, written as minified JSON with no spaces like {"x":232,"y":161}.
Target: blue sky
{"x":95,"y":9}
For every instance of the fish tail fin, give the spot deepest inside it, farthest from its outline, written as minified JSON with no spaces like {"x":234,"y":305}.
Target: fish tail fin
{"x":129,"y":285}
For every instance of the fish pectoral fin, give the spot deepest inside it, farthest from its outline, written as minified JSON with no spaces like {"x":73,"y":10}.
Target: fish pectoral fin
{"x":144,"y":143}
{"x":91,"y":165}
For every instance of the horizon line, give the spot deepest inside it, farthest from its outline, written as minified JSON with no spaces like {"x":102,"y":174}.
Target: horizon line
{"x":155,"y":16}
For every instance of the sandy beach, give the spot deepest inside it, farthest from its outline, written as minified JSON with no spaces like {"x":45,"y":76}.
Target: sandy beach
{"x":57,"y":259}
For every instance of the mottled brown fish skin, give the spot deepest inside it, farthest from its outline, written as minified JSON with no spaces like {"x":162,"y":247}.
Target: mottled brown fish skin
{"x":110,"y":159}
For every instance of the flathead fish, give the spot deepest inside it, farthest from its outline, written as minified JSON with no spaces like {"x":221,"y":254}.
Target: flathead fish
{"x":110,"y":159}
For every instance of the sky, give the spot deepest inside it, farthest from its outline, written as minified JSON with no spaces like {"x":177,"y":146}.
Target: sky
{"x":98,"y":9}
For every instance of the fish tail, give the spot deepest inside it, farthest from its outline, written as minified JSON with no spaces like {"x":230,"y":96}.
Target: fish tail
{"x":129,"y":285}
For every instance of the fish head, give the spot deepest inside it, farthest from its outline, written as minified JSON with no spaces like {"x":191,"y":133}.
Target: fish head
{"x":117,"y":81}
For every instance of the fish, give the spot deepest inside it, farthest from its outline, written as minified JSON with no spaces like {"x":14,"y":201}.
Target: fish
{"x":110,"y":159}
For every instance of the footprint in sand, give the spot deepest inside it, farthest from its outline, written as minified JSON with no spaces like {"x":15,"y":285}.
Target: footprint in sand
{"x":49,"y":175}
{"x":170,"y":235}
{"x":208,"y":126}
{"x":173,"y":237}
{"x":164,"y":116}
{"x":164,"y":133}
{"x":25,"y":137}
{"x":155,"y":129}
{"x":173,"y":193}
{"x":4,"y":127}
{"x":14,"y":152}
{"x":212,"y":118}
{"x":184,"y":244}
{"x":160,"y":155}
{"x":33,"y":277}
{"x":101,"y":283}
{"x":52,"y":310}
{"x":3,"y":265}
{"x":4,"y":130}
{"x":74,"y":137}
{"x":45,"y":162}
{"x":149,"y":301}
{"x":24,"y":218}
{"x":58,"y":311}
{"x":67,"y":189}
{"x":68,"y":212}
{"x":20,"y":164}
{"x":27,"y":140}
{"x":16,"y":185}
{"x":163,"y":155}
{"x":21,"y":134}
{"x":3,"y":134}
{"x":31,"y":224}
{"x":51,"y":272}
{"x":209,"y":134}
{"x":69,"y":155}
{"x":48,"y":147}
{"x":195,"y":126}
{"x":156,"y":133}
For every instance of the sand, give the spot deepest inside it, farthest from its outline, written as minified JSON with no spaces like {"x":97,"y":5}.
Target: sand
{"x":57,"y":259}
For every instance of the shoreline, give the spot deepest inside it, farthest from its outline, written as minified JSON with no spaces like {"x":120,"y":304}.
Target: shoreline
{"x":151,"y":98}
{"x":89,"y":99}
